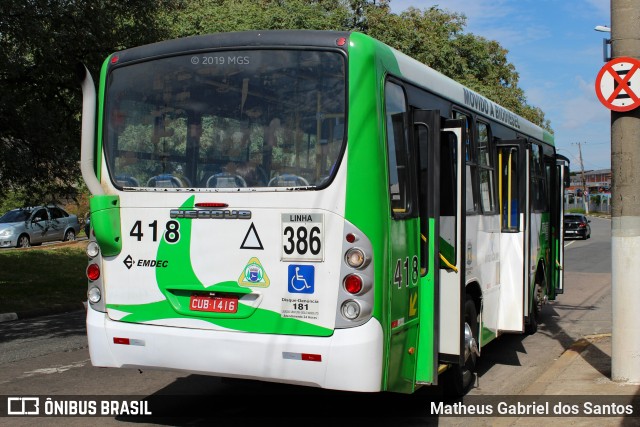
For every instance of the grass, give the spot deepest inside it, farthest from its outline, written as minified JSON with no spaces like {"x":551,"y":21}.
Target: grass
{"x":575,"y":210}
{"x":39,"y":278}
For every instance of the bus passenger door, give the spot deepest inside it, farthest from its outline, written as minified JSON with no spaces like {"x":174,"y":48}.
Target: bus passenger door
{"x":404,"y":244}
{"x":426,"y":132}
{"x":449,"y":251}
{"x":512,"y":181}
{"x":561,"y":181}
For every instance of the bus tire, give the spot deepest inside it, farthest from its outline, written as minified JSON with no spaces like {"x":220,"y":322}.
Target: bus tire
{"x":536,"y":307}
{"x":532,"y":325}
{"x":460,"y":378}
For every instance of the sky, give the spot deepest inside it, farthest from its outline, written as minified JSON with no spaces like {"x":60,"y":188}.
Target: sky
{"x":558,"y":54}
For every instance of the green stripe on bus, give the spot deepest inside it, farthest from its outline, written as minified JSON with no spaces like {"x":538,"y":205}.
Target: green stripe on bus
{"x":180,"y":276}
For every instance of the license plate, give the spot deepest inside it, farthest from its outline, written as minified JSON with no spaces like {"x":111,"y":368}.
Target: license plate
{"x":214,"y":304}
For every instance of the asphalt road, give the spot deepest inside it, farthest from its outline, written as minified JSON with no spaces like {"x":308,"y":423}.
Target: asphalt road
{"x":49,"y":356}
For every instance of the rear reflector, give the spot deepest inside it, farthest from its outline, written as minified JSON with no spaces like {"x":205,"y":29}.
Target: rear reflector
{"x":312,"y":357}
{"x":127,"y":341}
{"x":302,"y":356}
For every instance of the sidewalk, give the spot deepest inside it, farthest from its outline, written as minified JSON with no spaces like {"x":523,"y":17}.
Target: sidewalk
{"x":583,"y":369}
{"x":581,"y":374}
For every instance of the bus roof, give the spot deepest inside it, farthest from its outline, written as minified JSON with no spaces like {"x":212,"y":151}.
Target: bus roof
{"x":426,"y":77}
{"x":410,"y":69}
{"x":244,"y":39}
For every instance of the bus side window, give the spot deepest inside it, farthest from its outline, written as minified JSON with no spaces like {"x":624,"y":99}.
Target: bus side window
{"x":448,"y":198}
{"x":471,"y":165}
{"x":486,"y":168}
{"x":508,"y":185}
{"x":422,"y":134}
{"x":538,"y":180}
{"x":400,"y":191}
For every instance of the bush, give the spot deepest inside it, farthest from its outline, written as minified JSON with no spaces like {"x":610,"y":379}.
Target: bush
{"x":575,"y":210}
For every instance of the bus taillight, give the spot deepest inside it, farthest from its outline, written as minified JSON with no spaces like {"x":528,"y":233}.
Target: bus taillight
{"x":350,"y":309}
{"x":356,"y":294}
{"x":93,"y":272}
{"x":211,"y":205}
{"x":93,"y":295}
{"x":353,"y":284}
{"x":93,"y":250}
{"x":356,"y":258}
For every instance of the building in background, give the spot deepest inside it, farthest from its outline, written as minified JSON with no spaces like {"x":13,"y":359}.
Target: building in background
{"x":596,"y":184}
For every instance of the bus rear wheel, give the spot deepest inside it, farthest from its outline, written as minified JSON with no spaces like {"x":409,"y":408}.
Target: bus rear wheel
{"x":460,"y":377}
{"x":539,"y":297}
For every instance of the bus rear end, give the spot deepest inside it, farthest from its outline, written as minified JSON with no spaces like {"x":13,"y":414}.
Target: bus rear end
{"x":219,"y":243}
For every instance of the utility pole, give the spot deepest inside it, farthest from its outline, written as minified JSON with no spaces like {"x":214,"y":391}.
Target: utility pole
{"x":585,"y":195}
{"x":625,"y":212}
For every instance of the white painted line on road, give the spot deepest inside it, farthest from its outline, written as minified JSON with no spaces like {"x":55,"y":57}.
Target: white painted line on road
{"x":54,"y":370}
{"x":569,"y":243}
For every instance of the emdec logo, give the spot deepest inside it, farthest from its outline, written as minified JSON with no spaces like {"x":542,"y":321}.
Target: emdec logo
{"x":153,"y":263}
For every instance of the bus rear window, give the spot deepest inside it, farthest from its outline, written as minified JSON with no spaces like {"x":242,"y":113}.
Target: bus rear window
{"x":226,"y":120}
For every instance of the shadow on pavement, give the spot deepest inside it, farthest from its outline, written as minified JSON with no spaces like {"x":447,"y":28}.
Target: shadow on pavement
{"x":56,"y":326}
{"x":200,"y":400}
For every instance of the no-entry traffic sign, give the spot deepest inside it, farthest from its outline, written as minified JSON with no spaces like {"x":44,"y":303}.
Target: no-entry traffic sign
{"x":618,"y":84}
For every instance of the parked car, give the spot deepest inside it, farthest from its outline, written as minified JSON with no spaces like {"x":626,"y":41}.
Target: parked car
{"x":33,"y":226}
{"x":577,"y":225}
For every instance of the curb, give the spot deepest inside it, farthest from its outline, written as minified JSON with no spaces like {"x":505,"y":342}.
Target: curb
{"x":540,"y":385}
{"x":30,"y":314}
{"x":7,"y":317}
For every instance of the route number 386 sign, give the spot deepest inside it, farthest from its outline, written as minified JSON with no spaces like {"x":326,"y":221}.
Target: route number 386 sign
{"x":618,"y":84}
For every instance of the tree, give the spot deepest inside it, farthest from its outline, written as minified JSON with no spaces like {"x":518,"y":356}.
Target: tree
{"x":436,"y":38}
{"x":187,"y":18}
{"x":431,"y":36}
{"x":41,"y":41}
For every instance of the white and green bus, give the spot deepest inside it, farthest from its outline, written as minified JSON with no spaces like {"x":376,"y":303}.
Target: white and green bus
{"x":312,"y":208}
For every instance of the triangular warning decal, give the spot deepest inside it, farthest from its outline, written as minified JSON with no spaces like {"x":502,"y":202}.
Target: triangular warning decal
{"x":251,"y":239}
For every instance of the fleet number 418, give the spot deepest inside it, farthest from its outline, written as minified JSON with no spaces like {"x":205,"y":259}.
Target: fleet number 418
{"x":171,"y":231}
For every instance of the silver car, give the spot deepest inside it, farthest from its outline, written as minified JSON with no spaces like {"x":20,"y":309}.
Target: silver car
{"x":33,"y":226}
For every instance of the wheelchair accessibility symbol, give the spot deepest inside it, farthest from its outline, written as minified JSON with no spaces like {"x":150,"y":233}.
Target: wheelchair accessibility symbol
{"x":301,"y":279}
